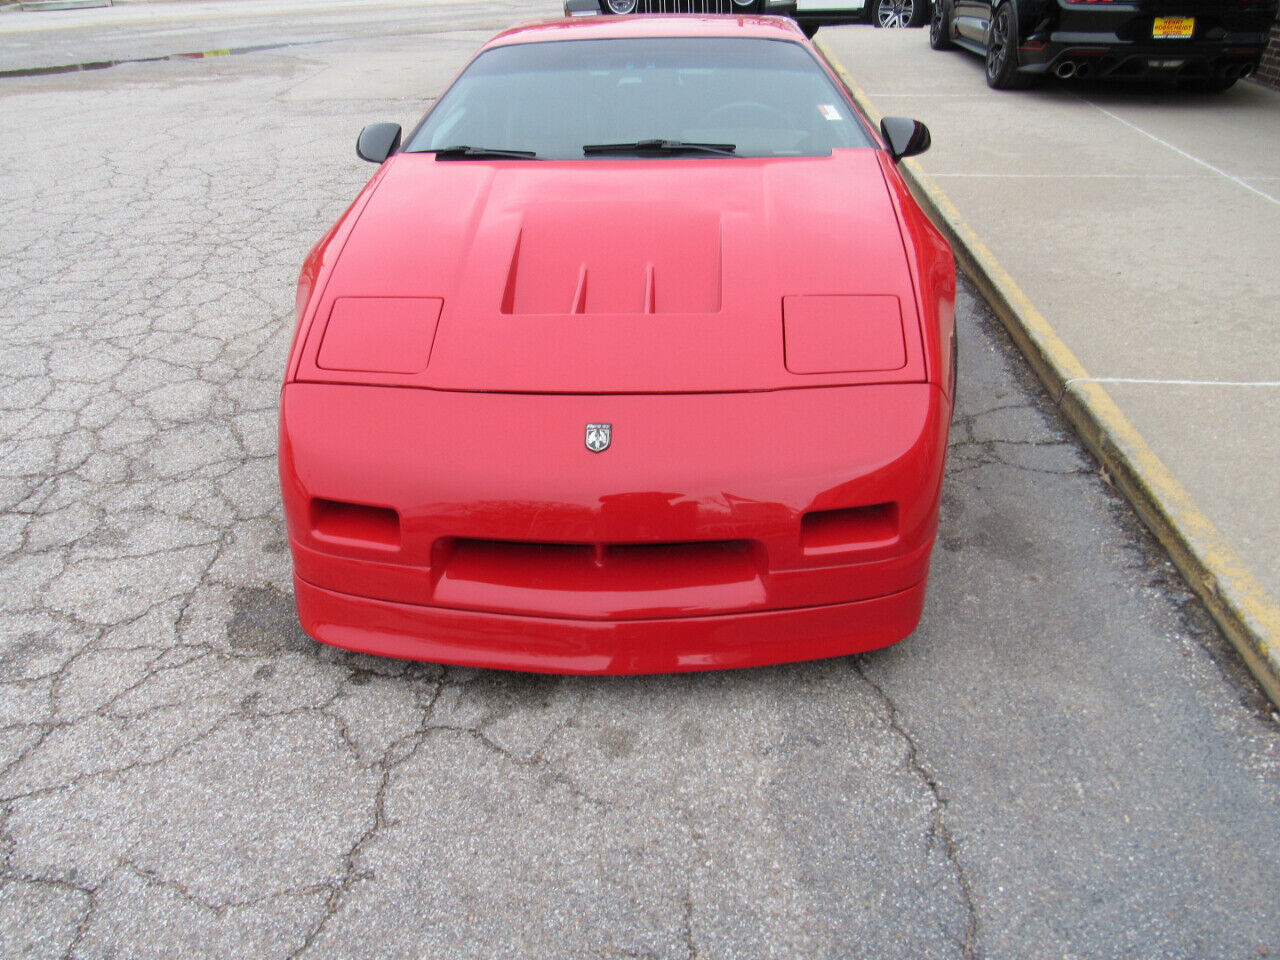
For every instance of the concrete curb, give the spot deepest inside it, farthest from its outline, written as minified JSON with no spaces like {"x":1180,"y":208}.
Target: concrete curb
{"x":38,"y":5}
{"x":1244,"y":610}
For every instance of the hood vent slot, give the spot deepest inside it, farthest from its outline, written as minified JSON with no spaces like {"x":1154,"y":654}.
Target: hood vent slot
{"x":584,"y":259}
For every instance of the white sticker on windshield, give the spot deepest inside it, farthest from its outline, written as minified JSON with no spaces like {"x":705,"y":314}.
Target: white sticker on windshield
{"x":829,"y":111}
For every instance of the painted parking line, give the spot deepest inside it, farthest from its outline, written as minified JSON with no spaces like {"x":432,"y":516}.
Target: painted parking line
{"x":1177,"y":383}
{"x":1080,"y":176}
{"x":1183,"y":153}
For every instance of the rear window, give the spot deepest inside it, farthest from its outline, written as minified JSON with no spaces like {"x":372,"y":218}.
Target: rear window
{"x":769,"y":98}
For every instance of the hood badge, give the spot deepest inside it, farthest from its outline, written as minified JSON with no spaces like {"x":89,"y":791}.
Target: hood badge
{"x":599,"y":436}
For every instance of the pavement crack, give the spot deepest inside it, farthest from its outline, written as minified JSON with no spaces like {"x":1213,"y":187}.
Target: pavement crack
{"x":535,"y":761}
{"x":691,"y":948}
{"x":939,"y":830}
{"x":107,"y":772}
{"x":400,"y":751}
{"x":90,"y":906}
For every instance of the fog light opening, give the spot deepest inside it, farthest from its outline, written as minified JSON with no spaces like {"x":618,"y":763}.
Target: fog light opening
{"x":853,"y":528}
{"x":357,"y":524}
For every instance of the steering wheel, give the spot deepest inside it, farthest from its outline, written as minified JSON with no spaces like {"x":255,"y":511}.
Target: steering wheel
{"x":746,"y":111}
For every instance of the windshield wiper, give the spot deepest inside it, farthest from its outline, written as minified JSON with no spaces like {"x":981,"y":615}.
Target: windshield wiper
{"x":662,"y":146}
{"x":463,"y":152}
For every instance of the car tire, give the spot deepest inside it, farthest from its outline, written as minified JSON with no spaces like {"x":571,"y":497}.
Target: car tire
{"x":955,"y":376}
{"x":898,"y":13}
{"x":1002,"y":50}
{"x":940,"y":26}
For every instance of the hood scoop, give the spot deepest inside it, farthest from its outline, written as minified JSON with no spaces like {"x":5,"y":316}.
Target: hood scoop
{"x":594,"y":259}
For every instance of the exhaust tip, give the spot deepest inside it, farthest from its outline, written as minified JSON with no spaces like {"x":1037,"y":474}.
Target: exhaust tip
{"x":1084,"y":70}
{"x":1065,"y":70}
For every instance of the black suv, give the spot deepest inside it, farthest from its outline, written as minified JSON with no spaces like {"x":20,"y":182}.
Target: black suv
{"x":1203,"y":44}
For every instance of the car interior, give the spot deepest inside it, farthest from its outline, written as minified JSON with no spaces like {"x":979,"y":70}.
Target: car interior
{"x":771,"y":110}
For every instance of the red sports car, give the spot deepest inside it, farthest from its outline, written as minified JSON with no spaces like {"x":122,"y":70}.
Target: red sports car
{"x":636,"y":356}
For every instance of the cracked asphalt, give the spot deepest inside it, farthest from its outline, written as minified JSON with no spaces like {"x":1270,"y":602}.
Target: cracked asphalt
{"x":1064,"y":761}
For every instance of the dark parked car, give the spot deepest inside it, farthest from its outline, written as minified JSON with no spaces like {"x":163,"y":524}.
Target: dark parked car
{"x":1203,"y":44}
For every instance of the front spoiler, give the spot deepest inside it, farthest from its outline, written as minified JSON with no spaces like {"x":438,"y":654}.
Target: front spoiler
{"x":553,"y":645}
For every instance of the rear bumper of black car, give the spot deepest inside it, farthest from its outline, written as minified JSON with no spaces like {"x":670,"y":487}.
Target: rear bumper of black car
{"x":1101,"y":59}
{"x":1119,"y":39}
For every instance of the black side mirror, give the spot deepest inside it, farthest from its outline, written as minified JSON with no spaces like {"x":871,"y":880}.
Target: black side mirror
{"x":906,"y":137}
{"x":378,"y":141}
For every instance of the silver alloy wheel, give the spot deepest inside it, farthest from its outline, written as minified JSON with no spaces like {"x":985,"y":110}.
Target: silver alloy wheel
{"x":621,"y":6}
{"x":998,"y":41}
{"x":895,"y":13}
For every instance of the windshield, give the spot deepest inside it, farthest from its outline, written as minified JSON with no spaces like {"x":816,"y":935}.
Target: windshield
{"x":760,"y":98}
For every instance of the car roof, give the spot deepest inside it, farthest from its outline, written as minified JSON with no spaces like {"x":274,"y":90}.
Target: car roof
{"x":679,"y":25}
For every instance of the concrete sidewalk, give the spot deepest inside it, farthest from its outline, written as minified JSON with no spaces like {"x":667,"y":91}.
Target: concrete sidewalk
{"x":1131,"y":239}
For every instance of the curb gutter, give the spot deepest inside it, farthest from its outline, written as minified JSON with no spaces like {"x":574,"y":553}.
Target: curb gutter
{"x":1244,"y":610}
{"x":36,"y":5}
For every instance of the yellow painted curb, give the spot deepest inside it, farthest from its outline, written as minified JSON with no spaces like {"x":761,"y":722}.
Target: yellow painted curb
{"x":1246,"y":612}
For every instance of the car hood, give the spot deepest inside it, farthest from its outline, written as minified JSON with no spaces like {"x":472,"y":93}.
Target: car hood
{"x":620,"y":276}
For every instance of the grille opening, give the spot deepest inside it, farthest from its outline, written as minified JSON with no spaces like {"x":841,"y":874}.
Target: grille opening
{"x":355,"y":523}
{"x":605,"y":580}
{"x":853,"y":528}
{"x":626,"y":565}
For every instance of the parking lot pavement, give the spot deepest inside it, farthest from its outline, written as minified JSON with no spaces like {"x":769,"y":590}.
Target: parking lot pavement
{"x":1143,"y":224}
{"x":42,"y":40}
{"x":1063,"y":761}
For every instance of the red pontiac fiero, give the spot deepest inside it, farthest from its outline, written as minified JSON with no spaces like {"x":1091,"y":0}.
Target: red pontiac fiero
{"x":635,"y":356}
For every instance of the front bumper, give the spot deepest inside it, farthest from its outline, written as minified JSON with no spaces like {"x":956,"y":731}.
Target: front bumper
{"x":555,"y":645}
{"x":718,"y":530}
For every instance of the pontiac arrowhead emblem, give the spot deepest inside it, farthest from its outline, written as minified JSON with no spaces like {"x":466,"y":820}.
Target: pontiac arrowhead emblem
{"x":599,"y":436}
